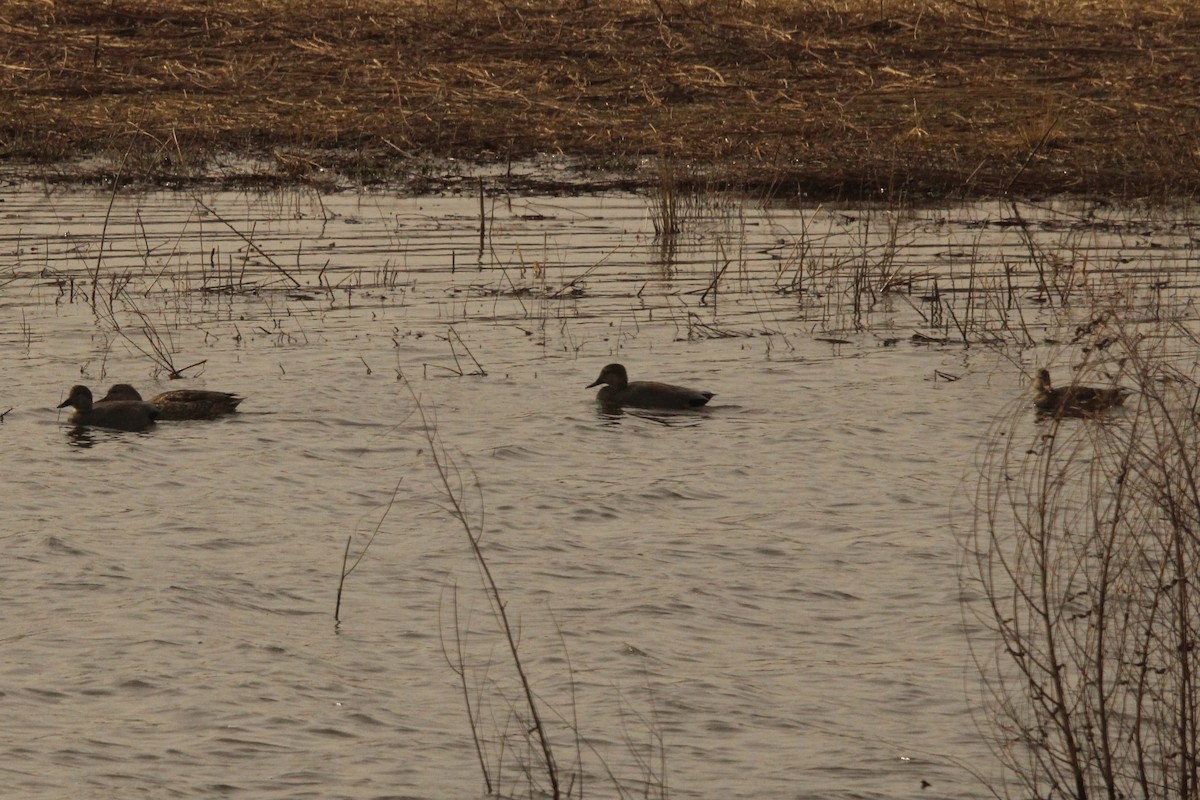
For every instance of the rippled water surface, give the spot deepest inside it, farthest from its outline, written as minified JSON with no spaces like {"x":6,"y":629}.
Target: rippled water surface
{"x":760,"y":600}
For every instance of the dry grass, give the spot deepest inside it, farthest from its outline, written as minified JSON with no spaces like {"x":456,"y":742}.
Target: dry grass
{"x":854,"y":98}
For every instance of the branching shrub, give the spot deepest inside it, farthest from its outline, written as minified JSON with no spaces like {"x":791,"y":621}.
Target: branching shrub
{"x":1079,"y":564}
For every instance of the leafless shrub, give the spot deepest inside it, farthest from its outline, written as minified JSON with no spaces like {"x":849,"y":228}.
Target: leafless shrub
{"x":1080,"y":566}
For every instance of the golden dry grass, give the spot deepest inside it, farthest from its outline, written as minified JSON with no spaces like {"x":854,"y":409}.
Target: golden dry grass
{"x":854,"y":98}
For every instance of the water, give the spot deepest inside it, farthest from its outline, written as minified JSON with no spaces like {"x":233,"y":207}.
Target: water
{"x":760,"y":600}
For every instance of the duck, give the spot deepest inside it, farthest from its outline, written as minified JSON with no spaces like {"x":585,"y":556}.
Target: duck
{"x":179,"y":404}
{"x":124,"y":415}
{"x":618,"y":391}
{"x":1073,"y":400}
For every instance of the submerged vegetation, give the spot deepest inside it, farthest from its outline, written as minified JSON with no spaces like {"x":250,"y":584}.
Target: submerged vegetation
{"x":876,"y":99}
{"x":990,"y":276}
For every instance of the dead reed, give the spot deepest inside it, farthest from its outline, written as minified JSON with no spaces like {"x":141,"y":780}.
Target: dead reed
{"x":522,"y":735}
{"x":828,"y":98}
{"x":518,"y":735}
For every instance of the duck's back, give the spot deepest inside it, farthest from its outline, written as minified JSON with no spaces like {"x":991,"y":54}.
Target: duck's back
{"x":180,"y":404}
{"x":651,"y":394}
{"x":1079,"y":399}
{"x":1089,"y":398}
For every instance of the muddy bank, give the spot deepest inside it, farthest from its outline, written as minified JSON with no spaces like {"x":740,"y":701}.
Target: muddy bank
{"x":822,"y":99}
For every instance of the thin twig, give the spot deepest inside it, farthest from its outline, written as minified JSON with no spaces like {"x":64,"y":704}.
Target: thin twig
{"x":337,"y":608}
{"x":247,"y":240}
{"x":538,"y":728}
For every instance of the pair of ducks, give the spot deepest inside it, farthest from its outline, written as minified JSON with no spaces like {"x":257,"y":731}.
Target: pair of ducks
{"x":123,"y":408}
{"x":1071,"y":400}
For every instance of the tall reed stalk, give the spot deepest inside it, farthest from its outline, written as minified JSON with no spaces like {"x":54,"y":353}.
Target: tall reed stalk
{"x":526,"y":719}
{"x":537,"y":727}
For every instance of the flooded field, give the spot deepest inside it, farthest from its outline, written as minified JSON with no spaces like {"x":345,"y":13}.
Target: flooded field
{"x":761,"y":599}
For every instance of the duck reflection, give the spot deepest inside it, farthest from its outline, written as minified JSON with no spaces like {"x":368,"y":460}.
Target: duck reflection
{"x":615,"y":415}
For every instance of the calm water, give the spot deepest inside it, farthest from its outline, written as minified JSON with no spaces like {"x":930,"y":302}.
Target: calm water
{"x":761,"y":599}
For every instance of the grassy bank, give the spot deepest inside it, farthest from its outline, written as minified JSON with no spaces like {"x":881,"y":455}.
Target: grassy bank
{"x":826,"y":98}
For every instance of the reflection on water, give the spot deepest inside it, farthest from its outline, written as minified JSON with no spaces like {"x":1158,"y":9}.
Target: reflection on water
{"x":768,"y":586}
{"x":81,"y":437}
{"x":613,"y":415}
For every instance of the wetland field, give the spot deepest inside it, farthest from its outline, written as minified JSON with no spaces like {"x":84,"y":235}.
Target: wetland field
{"x":888,"y":100}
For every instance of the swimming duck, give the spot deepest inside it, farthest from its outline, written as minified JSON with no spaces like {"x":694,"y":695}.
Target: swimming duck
{"x":180,"y":403}
{"x":124,"y":415}
{"x":644,"y":394}
{"x":1073,"y":400}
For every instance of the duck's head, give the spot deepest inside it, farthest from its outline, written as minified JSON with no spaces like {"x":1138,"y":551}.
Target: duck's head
{"x":121,"y":391}
{"x":614,"y":375}
{"x":1042,"y":382}
{"x":80,"y":396}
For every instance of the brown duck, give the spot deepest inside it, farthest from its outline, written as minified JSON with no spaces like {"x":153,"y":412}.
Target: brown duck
{"x":125,"y":414}
{"x":1073,"y":400}
{"x":180,"y":404}
{"x":619,"y":391}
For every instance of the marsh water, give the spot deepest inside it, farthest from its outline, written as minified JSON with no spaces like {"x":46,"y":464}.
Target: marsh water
{"x":758,"y":600}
